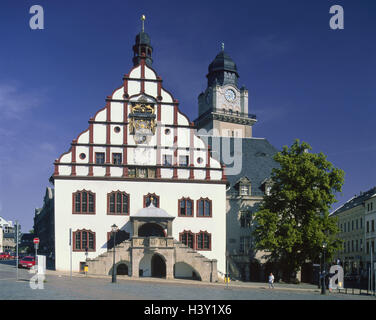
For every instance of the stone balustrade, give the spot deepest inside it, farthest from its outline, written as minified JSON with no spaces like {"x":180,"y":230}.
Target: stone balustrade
{"x":152,"y":242}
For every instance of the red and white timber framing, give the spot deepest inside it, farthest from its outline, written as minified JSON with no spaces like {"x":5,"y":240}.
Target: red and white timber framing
{"x":108,"y":134}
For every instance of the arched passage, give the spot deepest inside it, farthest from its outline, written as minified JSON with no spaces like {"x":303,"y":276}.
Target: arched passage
{"x":158,"y":266}
{"x":151,"y":230}
{"x":183,"y":270}
{"x":122,"y":269}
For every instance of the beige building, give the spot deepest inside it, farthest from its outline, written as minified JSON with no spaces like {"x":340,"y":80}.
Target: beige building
{"x":355,"y":220}
{"x":370,"y":232}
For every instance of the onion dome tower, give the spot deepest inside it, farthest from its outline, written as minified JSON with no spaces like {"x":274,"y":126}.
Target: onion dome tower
{"x":222,"y":70}
{"x":142,"y":46}
{"x":223,"y":107}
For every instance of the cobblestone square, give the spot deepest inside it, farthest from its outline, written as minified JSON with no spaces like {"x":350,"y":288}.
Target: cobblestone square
{"x":63,"y":287}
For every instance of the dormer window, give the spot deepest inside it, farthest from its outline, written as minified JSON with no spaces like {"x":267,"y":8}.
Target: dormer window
{"x":244,"y":190}
{"x":244,"y":186}
{"x":267,"y":186}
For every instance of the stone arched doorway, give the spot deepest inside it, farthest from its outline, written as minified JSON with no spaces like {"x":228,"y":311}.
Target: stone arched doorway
{"x":122,"y":269}
{"x":183,"y":270}
{"x":151,"y":230}
{"x":158,"y":266}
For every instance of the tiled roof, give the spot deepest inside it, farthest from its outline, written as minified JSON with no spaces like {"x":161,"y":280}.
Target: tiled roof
{"x":355,"y":201}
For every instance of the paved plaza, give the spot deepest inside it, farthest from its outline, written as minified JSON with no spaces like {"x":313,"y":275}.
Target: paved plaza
{"x":78,"y":287}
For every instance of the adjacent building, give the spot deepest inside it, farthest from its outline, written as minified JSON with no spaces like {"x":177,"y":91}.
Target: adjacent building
{"x":226,"y":122}
{"x":356,"y":221}
{"x":370,"y":232}
{"x":1,"y":239}
{"x":44,"y":226}
{"x":7,"y":241}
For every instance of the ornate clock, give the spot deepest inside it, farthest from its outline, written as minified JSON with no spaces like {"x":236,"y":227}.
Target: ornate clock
{"x":230,"y":95}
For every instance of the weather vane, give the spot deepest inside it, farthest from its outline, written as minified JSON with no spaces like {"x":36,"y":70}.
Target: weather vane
{"x":143,"y":19}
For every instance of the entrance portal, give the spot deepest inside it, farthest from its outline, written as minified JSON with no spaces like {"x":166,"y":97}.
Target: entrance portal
{"x":122,"y":269}
{"x":151,"y":230}
{"x":158,"y":267}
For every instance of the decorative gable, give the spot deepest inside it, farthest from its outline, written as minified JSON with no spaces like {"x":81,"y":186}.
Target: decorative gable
{"x":139,"y":126}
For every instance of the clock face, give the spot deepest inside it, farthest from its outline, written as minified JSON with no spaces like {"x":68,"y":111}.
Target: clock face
{"x":230,"y":95}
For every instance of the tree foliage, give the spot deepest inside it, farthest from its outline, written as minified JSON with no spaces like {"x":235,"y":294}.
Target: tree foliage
{"x":293,"y":222}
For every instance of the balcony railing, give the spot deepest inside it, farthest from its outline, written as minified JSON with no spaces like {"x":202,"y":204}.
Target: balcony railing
{"x":228,"y":113}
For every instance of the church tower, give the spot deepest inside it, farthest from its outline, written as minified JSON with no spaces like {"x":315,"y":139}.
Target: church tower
{"x":223,"y":107}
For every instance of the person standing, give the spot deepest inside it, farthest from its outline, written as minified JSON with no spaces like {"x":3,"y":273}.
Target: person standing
{"x":271,"y":280}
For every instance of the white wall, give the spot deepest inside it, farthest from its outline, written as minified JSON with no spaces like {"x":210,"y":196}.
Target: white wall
{"x":100,"y":223}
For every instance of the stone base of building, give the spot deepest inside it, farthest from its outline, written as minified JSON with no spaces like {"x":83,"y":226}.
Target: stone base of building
{"x":162,"y":257}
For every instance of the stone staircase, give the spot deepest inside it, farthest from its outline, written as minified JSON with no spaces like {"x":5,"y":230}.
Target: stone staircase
{"x":206,"y":269}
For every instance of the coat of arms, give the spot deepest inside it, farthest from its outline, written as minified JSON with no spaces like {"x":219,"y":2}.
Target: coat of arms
{"x":142,"y":122}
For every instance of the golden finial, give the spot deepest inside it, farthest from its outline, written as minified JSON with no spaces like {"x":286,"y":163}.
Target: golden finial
{"x":143,"y":19}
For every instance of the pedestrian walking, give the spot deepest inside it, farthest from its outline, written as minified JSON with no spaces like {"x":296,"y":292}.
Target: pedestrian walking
{"x":271,"y":280}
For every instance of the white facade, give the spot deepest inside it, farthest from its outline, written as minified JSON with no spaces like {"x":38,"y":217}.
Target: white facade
{"x":1,"y":239}
{"x":6,"y":225}
{"x":161,"y":156}
{"x":101,"y":223}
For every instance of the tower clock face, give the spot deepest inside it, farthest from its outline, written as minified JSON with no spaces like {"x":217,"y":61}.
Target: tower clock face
{"x":230,"y":95}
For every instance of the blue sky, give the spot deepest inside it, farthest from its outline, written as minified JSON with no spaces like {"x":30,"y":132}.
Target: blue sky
{"x":305,"y":80}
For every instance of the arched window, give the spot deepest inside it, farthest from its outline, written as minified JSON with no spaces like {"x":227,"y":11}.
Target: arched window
{"x":147,"y":200}
{"x":83,"y":202}
{"x":187,"y":238}
{"x":203,"y":241}
{"x":83,"y":239}
{"x":118,"y":203}
{"x":185,"y":207}
{"x":204,"y":207}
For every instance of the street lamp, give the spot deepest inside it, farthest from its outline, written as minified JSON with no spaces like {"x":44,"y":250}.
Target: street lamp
{"x":114,"y":229}
{"x":323,"y":285}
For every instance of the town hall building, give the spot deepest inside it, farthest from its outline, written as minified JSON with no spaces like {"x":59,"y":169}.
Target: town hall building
{"x":140,"y":166}
{"x":180,"y":209}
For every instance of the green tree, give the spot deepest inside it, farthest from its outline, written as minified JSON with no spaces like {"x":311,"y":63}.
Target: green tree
{"x":293,"y":222}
